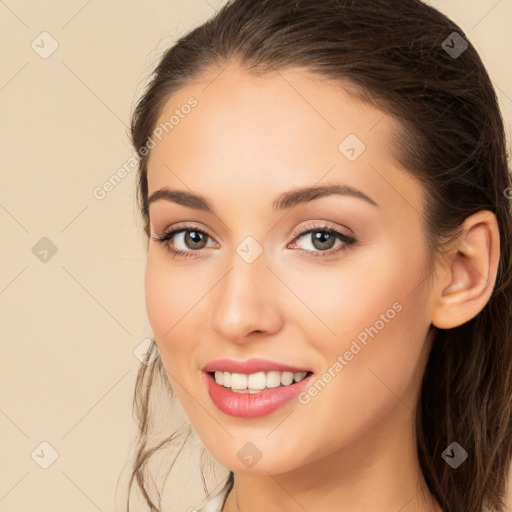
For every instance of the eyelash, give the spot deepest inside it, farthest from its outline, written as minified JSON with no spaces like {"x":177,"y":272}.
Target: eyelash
{"x":166,"y":237}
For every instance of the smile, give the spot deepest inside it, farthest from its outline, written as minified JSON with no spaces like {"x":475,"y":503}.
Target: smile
{"x":256,"y":394}
{"x":256,"y":382}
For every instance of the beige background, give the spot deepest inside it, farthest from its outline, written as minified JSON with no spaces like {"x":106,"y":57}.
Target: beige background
{"x":70,"y":324}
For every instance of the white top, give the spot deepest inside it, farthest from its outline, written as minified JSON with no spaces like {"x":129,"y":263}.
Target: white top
{"x":214,"y":502}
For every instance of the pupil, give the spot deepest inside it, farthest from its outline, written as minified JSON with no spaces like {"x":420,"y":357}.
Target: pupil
{"x":194,"y":237}
{"x":324,"y":239}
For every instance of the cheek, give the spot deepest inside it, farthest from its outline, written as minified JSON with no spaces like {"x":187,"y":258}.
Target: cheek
{"x":380,"y":324}
{"x":373,"y":316}
{"x":337,"y":303}
{"x":167,"y":302}
{"x":169,"y":294}
{"x":159,"y":305}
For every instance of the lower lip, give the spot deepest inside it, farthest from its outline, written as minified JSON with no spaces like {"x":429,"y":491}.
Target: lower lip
{"x":252,"y":405}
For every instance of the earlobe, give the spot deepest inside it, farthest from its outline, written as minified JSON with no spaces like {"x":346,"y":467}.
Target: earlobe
{"x":469,"y":277}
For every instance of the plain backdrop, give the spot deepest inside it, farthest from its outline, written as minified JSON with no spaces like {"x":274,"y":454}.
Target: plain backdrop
{"x":72,"y":311}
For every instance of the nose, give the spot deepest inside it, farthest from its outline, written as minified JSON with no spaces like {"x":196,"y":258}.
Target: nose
{"x":246,"y":301}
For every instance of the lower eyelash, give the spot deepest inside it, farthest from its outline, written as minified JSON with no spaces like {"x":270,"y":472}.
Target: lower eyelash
{"x":347,"y":241}
{"x":182,"y":254}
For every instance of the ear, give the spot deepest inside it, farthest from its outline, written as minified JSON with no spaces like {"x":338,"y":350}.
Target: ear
{"x":468,"y":279}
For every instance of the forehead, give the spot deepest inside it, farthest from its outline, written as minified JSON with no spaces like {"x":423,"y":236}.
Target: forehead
{"x":276,"y":110}
{"x":248,"y":133}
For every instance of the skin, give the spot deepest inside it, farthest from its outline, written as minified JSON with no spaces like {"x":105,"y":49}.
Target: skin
{"x":352,"y":447}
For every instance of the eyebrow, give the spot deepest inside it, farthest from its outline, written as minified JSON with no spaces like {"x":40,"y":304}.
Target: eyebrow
{"x":285,"y":201}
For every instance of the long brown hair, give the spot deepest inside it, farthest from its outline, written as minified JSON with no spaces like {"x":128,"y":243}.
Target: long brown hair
{"x":401,"y":56}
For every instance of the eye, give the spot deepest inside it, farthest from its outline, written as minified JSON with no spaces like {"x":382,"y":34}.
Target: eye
{"x":191,"y":239}
{"x":321,"y":240}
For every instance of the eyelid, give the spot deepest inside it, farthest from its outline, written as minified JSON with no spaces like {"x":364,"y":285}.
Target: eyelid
{"x":182,"y":226}
{"x":320,"y":225}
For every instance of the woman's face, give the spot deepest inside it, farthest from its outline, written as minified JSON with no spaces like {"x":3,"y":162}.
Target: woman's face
{"x":271,"y":278}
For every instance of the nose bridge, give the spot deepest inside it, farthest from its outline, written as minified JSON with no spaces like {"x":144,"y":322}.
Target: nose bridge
{"x":245,"y":300}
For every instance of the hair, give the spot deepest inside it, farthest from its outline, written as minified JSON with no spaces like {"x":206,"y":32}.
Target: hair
{"x":450,"y":138}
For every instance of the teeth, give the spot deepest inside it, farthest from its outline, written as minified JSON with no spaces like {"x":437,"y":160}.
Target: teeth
{"x":239,"y":381}
{"x":299,"y":376}
{"x":255,"y":382}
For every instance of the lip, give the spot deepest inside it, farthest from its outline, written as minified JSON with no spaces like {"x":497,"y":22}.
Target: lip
{"x":250,"y":366}
{"x":253,"y":405}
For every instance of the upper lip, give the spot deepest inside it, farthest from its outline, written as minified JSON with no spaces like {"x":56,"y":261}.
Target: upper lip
{"x":250,"y":366}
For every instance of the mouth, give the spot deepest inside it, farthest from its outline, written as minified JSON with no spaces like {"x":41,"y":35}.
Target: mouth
{"x":255,"y":394}
{"x":257,"y":382}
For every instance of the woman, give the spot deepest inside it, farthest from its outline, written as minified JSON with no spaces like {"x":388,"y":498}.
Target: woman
{"x":325,"y":193}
